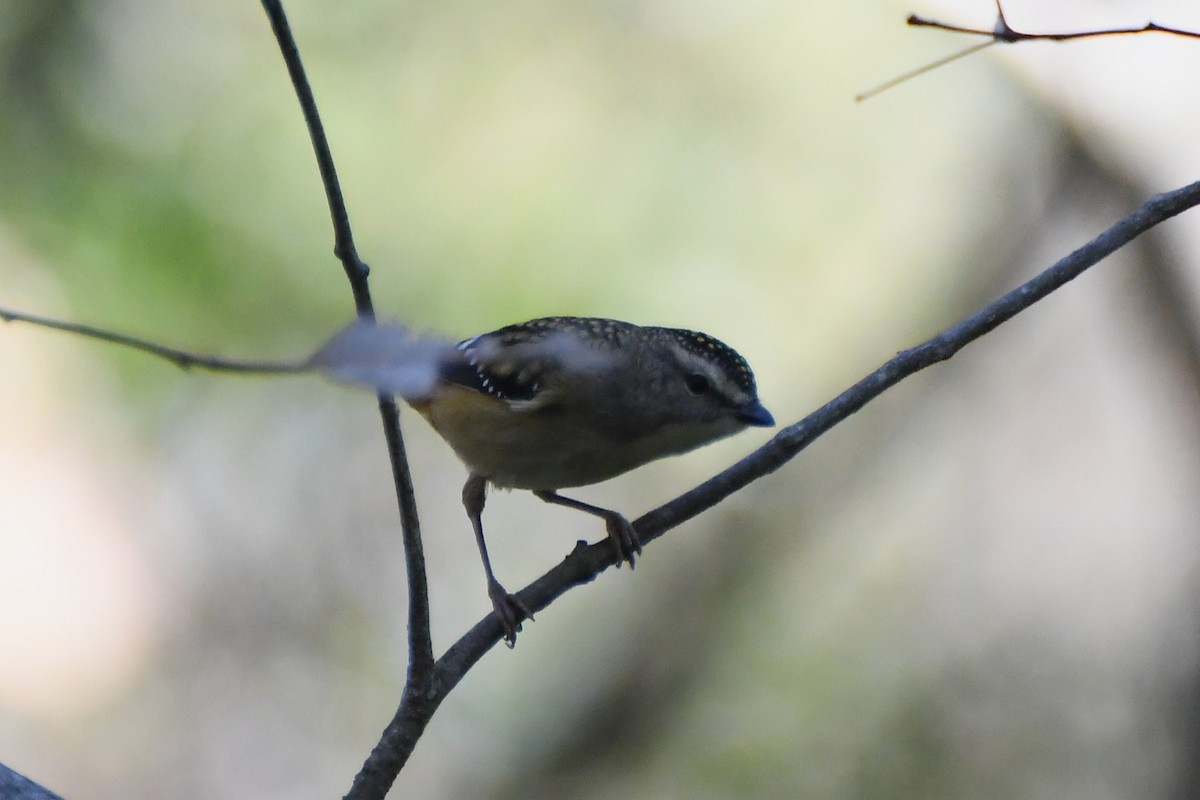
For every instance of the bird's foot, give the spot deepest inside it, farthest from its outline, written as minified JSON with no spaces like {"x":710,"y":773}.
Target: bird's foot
{"x":510,"y":610}
{"x":624,"y":538}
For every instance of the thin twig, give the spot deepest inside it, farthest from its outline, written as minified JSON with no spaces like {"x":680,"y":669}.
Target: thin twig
{"x":343,"y":246}
{"x":1002,"y":32}
{"x":420,"y":661}
{"x":932,"y":65}
{"x":180,"y":358}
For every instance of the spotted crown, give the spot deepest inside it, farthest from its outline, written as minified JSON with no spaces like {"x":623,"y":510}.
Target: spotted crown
{"x":714,"y":350}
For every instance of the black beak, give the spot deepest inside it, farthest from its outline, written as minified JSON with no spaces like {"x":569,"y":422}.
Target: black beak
{"x":755,"y":414}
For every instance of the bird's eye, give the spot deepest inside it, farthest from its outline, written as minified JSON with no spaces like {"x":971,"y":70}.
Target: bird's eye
{"x":697,"y":383}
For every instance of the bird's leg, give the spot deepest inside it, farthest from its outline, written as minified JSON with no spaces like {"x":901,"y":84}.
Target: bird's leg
{"x":620,"y":530}
{"x":509,"y":608}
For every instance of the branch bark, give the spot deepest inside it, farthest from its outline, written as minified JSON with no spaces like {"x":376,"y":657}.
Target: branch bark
{"x":15,"y":786}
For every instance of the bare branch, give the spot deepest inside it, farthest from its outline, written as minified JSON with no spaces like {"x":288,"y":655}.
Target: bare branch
{"x":15,"y":786}
{"x":931,"y":66}
{"x":180,"y":358}
{"x":420,"y":663}
{"x":343,"y":248}
{"x":586,"y":562}
{"x":1004,"y":33}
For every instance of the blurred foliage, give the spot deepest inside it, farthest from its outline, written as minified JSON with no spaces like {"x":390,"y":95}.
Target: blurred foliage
{"x":129,"y":241}
{"x":653,"y":162}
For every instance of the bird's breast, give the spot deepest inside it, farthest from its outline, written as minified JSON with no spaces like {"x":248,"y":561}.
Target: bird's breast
{"x":548,"y":448}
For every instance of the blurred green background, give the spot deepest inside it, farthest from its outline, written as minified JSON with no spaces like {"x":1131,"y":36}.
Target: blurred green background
{"x":982,"y":586}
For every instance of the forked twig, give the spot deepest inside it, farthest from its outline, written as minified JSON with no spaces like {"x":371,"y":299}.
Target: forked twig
{"x":1004,"y":33}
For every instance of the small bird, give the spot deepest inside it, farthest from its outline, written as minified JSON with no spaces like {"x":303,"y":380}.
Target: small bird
{"x":560,"y":402}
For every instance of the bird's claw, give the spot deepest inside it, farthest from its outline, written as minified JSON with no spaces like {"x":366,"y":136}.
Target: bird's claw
{"x":624,"y":538}
{"x":510,"y":610}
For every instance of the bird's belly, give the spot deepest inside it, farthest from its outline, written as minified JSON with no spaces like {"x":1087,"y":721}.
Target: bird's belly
{"x":539,"y":457}
{"x":542,"y":450}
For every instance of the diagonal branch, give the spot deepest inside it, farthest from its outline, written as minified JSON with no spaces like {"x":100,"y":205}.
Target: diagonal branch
{"x":586,"y":562}
{"x":420,"y":659}
{"x":921,"y":70}
{"x":15,"y":786}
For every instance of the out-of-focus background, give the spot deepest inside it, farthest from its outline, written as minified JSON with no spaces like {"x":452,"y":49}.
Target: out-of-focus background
{"x":982,"y":586}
